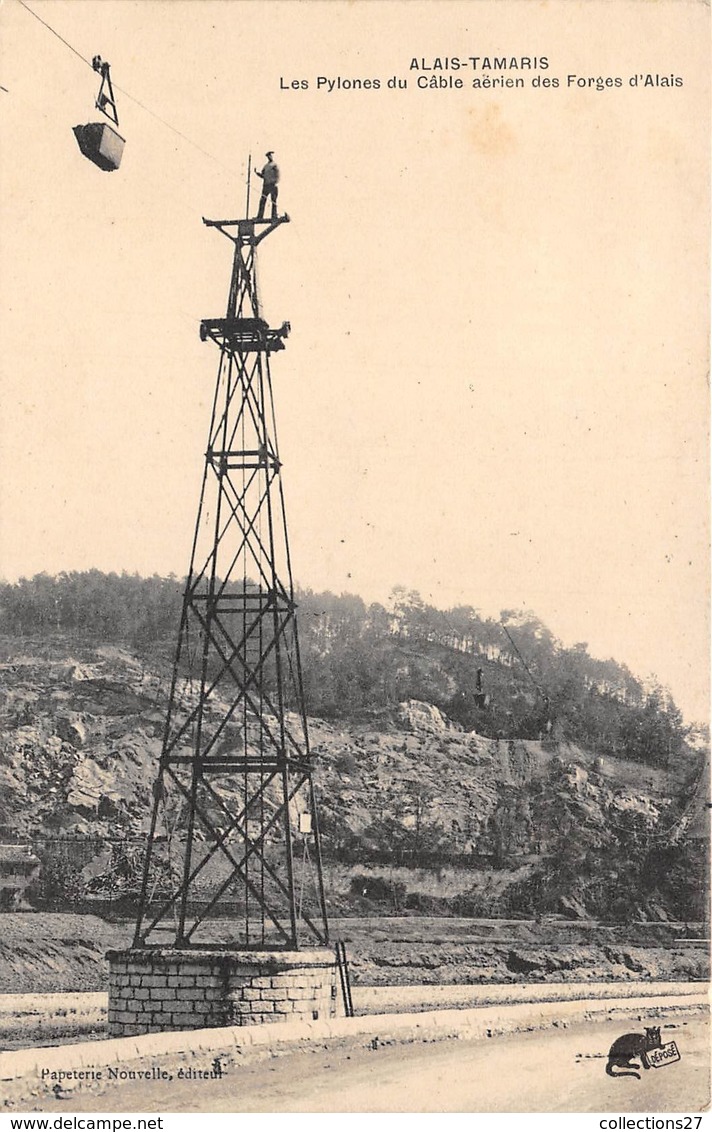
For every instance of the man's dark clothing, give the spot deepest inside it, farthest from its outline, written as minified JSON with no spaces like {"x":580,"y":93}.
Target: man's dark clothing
{"x":270,"y":178}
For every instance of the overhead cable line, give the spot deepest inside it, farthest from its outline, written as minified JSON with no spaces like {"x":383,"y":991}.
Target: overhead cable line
{"x":64,"y":41}
{"x":126,"y":93}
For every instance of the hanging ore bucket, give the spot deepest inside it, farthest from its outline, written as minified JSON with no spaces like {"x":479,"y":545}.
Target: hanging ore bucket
{"x":100,"y":144}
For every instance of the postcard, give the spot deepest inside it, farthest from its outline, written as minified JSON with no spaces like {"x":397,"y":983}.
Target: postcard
{"x":354,"y":575}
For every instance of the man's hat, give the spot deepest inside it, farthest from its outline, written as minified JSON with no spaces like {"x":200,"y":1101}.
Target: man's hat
{"x":269,"y":153}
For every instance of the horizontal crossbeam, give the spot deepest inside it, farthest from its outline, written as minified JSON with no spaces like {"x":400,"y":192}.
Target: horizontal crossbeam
{"x":246,"y":335}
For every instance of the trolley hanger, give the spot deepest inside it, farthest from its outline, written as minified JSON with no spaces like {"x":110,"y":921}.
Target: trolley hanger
{"x":105,"y":100}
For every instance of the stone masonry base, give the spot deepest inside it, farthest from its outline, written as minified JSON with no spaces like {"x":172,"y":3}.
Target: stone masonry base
{"x":168,"y":989}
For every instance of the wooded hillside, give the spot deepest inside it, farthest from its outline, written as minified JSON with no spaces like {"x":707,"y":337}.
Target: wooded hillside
{"x":359,"y":658}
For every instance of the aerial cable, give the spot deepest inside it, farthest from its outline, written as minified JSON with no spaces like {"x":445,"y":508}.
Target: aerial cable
{"x":126,"y":94}
{"x":205,"y":152}
{"x":64,"y":41}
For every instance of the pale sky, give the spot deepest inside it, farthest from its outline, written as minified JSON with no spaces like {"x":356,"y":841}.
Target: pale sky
{"x":495,"y":390}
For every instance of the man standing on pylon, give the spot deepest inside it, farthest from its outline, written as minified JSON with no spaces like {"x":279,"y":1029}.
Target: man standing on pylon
{"x":270,"y":178}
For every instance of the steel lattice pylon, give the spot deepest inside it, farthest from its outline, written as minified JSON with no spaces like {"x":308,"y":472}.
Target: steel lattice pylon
{"x":234,"y":833}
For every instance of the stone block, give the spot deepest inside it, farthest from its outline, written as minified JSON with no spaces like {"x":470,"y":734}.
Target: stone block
{"x":239,"y":1007}
{"x":192,"y":994}
{"x":162,"y":994}
{"x":192,"y":968}
{"x":249,"y":970}
{"x":179,"y":1007}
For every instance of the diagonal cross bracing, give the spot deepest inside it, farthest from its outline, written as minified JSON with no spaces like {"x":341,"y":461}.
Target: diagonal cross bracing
{"x":235,"y":771}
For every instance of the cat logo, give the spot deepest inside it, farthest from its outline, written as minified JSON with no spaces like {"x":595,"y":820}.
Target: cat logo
{"x":648,"y":1047}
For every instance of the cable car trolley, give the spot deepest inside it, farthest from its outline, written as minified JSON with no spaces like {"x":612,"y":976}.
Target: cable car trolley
{"x":99,"y":141}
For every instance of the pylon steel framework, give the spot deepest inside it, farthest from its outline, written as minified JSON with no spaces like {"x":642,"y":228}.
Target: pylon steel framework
{"x":234,"y":832}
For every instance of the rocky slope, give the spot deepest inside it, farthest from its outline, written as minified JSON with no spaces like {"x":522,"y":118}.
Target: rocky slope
{"x":416,"y":812}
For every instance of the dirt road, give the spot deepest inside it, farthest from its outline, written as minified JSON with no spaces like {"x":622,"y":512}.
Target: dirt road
{"x":548,"y":1071}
